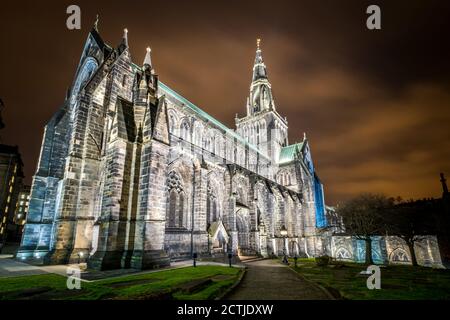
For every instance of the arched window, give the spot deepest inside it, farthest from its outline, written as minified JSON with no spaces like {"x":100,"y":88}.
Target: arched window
{"x":212,"y":144}
{"x":208,"y":213}
{"x":172,"y":208}
{"x":176,"y":209}
{"x":185,"y":132}
{"x":343,"y":254}
{"x":399,"y":255}
{"x":212,"y":210}
{"x":198,"y":134}
{"x":172,"y":121}
{"x":124,"y":80}
{"x":257,"y":134}
{"x":181,"y":210}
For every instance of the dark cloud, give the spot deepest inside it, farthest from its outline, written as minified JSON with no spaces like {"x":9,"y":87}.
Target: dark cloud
{"x":375,"y":105}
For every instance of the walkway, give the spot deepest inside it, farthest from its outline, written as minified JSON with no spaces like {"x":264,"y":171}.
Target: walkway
{"x":270,"y":280}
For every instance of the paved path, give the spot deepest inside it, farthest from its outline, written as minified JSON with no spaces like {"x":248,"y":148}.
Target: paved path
{"x":270,"y":280}
{"x":12,"y":268}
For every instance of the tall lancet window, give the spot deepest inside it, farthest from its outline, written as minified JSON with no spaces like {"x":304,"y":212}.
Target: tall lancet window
{"x":185,"y":131}
{"x":212,"y":212}
{"x":176,"y":208}
{"x":172,"y":208}
{"x":181,"y":210}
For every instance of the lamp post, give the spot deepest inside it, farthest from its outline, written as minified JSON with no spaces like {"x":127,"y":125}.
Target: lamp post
{"x":80,"y":255}
{"x":284,"y":233}
{"x":195,"y":259}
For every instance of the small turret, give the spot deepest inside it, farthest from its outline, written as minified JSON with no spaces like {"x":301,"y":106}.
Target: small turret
{"x":124,"y":44}
{"x":148,"y":60}
{"x":125,"y":37}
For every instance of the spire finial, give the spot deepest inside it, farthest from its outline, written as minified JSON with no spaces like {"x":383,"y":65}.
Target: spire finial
{"x":96,"y":22}
{"x":304,"y":136}
{"x":125,"y":36}
{"x":148,"y":60}
{"x":124,"y":44}
{"x":258,"y":42}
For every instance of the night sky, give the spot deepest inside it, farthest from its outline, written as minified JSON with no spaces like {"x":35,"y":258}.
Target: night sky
{"x":375,"y":104}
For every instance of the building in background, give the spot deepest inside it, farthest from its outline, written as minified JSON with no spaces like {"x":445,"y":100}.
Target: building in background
{"x":20,"y":215}
{"x":11,"y":176}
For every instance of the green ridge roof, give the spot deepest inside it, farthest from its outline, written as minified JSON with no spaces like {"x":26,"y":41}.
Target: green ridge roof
{"x":288,"y":153}
{"x":164,"y":88}
{"x":202,"y":113}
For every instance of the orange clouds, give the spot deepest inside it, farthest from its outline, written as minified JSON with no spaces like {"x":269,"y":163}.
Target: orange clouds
{"x":375,"y":105}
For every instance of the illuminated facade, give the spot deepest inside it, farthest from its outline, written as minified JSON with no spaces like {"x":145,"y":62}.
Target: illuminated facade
{"x":132,"y":174}
{"x":20,"y":215}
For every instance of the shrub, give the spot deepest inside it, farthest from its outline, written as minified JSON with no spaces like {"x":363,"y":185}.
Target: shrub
{"x":323,"y":260}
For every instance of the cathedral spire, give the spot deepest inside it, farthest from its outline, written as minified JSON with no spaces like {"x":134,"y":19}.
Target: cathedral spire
{"x":259,"y":68}
{"x":260,"y":98}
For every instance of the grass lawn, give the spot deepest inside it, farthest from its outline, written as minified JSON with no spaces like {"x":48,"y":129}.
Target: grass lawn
{"x":202,"y":282}
{"x":397,"y":282}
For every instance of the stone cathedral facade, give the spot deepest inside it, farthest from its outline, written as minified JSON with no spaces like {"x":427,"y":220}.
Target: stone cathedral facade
{"x":132,"y":175}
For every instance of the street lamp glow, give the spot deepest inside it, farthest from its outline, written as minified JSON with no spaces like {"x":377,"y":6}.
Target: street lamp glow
{"x":283,"y":231}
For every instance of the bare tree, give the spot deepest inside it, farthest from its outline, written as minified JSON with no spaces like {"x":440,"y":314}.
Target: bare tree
{"x":363,"y":218}
{"x":411,"y":221}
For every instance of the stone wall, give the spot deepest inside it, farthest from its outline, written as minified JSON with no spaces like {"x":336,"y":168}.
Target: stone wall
{"x":387,"y":250}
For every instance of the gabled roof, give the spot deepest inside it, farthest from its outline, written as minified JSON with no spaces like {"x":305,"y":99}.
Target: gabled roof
{"x":289,"y":153}
{"x":215,"y":228}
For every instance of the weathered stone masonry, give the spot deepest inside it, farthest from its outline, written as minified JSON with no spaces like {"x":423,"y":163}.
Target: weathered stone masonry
{"x":133,"y":175}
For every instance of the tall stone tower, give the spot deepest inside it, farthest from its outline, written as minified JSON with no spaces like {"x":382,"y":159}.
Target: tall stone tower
{"x":263,"y":126}
{"x":103,"y":161}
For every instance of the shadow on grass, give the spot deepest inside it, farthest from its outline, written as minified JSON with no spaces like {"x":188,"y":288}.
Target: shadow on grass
{"x":202,"y":282}
{"x":397,"y":282}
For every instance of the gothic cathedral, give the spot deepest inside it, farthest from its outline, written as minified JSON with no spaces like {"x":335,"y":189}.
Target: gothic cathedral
{"x":133,"y":175}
